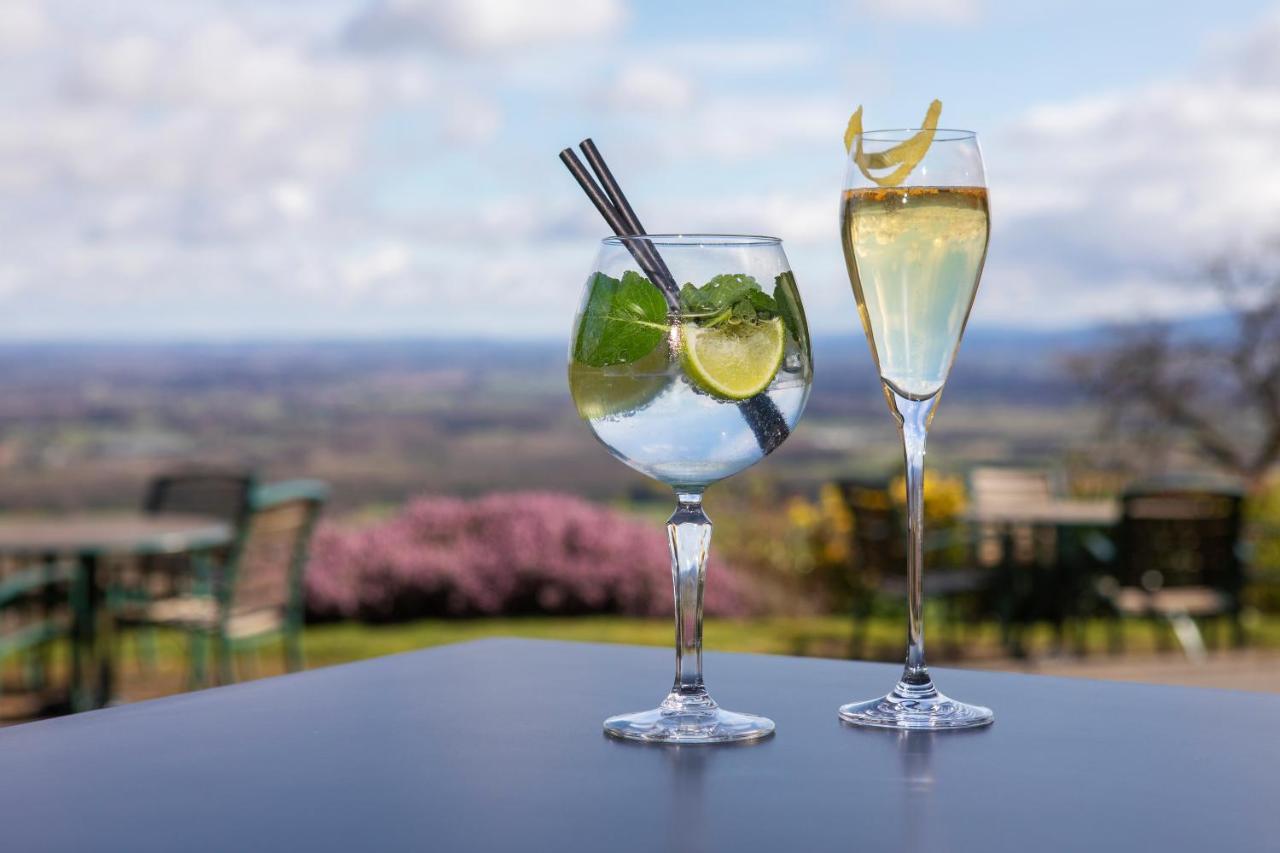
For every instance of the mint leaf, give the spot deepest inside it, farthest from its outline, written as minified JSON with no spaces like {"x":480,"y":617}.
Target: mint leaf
{"x":762,"y":301}
{"x":622,"y":321}
{"x":733,"y":299}
{"x":788,"y":307}
{"x":717,"y":295}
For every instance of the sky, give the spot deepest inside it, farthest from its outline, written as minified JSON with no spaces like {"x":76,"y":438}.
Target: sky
{"x":358,"y":168}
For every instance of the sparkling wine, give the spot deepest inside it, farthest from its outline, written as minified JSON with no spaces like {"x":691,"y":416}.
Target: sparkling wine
{"x":915,"y":255}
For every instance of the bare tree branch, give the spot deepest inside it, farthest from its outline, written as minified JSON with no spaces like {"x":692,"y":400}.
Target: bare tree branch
{"x":1223,"y":395}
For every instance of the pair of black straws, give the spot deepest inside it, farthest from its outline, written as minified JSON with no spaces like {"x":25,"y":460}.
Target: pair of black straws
{"x":760,"y":413}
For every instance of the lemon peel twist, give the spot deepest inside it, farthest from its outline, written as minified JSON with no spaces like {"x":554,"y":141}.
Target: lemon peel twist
{"x":905,"y":155}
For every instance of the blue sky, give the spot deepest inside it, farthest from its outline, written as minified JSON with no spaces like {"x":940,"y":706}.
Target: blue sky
{"x":365,"y":167}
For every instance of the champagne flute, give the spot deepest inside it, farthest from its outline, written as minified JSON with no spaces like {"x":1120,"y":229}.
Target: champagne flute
{"x":914,"y":245}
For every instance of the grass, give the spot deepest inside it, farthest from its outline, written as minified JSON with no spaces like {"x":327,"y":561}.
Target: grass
{"x":326,"y":644}
{"x":818,"y":636}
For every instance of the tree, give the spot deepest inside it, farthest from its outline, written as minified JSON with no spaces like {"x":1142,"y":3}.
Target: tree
{"x":1220,"y":389}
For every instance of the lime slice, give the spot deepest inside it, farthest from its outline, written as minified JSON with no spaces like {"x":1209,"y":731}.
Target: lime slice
{"x":734,"y":362}
{"x":602,"y":392}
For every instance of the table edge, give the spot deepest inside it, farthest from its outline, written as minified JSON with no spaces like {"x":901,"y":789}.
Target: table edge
{"x":502,"y":641}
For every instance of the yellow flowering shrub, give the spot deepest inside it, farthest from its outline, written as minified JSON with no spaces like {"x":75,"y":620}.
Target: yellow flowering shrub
{"x":945,"y":497}
{"x":810,"y":542}
{"x":1262,"y":511}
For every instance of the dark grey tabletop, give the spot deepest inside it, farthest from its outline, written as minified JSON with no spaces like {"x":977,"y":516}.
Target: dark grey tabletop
{"x":496,"y":746}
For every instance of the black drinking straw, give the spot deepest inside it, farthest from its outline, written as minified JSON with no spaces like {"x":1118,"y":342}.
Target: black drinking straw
{"x":643,"y":253}
{"x":625,"y":211}
{"x":760,"y":413}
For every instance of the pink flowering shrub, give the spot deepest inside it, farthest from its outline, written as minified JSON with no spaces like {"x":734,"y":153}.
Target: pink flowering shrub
{"x":504,"y":554}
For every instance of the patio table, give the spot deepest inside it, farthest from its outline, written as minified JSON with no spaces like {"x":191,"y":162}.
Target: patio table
{"x":1059,"y":512}
{"x":91,"y":540}
{"x":496,"y":745}
{"x":1059,"y":585}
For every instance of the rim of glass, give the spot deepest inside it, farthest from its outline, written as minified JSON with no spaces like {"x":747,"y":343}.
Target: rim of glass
{"x":902,"y":134}
{"x":695,"y":239}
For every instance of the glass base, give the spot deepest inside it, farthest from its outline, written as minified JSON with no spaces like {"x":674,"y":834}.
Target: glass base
{"x":688,"y":719}
{"x":920,"y":707}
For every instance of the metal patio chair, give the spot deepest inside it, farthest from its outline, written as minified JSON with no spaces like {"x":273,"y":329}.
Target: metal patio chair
{"x":255,"y":597}
{"x":1178,"y":560}
{"x":146,"y":592}
{"x":38,"y":601}
{"x":1034,"y":577}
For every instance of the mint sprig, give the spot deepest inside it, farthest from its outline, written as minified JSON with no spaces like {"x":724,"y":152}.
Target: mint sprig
{"x":789,"y":308}
{"x":622,"y":321}
{"x":733,"y":300}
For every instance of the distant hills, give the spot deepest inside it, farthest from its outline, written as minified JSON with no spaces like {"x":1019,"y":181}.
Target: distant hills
{"x":84,"y":424}
{"x":996,"y":364}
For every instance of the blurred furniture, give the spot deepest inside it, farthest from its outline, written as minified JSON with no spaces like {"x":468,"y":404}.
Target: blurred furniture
{"x":1034,"y":539}
{"x":1178,"y":560}
{"x":1058,"y":512}
{"x":38,"y":597}
{"x":495,"y":745}
{"x":879,"y":545}
{"x":145,"y":590}
{"x":265,"y":599}
{"x":996,"y":489}
{"x":251,"y":593}
{"x":224,"y":495}
{"x":89,"y":544}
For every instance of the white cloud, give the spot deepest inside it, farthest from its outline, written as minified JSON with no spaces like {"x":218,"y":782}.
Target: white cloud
{"x":150,"y":170}
{"x":384,"y":262}
{"x":923,"y":12}
{"x":1047,"y":296}
{"x":1109,"y":205}
{"x":294,"y":201}
{"x":1251,"y":58}
{"x":650,"y":88}
{"x":23,"y":26}
{"x":738,"y":55}
{"x":745,"y":127}
{"x":210,"y":170}
{"x":217,"y":65}
{"x":484,"y":26}
{"x":470,"y":119}
{"x":799,"y":218}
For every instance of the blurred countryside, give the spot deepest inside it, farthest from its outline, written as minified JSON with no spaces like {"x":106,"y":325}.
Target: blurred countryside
{"x":332,"y":241}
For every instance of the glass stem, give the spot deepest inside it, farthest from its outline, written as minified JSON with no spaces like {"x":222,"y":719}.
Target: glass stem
{"x":689,"y":532}
{"x":913,"y":422}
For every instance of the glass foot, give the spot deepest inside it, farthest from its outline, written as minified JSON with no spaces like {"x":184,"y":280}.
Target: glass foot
{"x":907,"y":708}
{"x":677,"y":721}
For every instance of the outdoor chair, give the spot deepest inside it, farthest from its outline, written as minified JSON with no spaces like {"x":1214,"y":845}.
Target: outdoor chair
{"x":37,"y":605}
{"x":1178,"y":560}
{"x":1033,"y":578}
{"x":257,"y":597}
{"x":223,"y":495}
{"x":879,"y":544}
{"x":246,"y":595}
{"x":143,"y":592}
{"x":996,"y":490}
{"x":263,"y":599}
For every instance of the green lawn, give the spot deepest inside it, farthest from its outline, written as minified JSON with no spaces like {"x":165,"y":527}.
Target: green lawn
{"x":143,"y":677}
{"x":825,"y":636}
{"x":326,"y":644}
